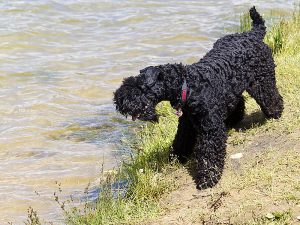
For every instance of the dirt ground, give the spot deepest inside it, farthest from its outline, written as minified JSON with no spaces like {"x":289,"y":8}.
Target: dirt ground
{"x":262,"y":187}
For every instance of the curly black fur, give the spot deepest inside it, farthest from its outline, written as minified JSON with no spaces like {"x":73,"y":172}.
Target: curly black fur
{"x":237,"y":63}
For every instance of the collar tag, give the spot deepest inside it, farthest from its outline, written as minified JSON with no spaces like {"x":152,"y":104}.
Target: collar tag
{"x":179,"y":112}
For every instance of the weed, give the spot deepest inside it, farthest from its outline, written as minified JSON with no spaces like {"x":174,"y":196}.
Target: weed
{"x":33,"y":218}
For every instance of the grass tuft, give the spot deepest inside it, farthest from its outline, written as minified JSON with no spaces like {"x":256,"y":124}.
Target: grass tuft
{"x":245,"y":22}
{"x":148,"y":174}
{"x":282,"y":36}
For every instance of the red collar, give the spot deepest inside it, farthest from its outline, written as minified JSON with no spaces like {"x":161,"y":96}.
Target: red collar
{"x":184,"y":88}
{"x":184,"y":91}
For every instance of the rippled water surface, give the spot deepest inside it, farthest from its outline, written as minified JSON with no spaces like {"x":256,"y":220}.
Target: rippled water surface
{"x":60,"y":61}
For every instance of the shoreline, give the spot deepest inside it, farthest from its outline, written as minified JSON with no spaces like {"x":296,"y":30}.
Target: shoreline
{"x":155,"y":181}
{"x":261,"y":187}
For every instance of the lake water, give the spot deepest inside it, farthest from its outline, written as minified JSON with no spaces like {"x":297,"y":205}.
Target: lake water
{"x":60,"y":62}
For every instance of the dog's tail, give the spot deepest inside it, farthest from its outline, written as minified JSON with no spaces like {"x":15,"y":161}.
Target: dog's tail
{"x":258,"y":23}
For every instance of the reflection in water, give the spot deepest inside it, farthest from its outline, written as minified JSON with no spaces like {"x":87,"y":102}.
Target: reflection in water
{"x":118,"y":190}
{"x":59,"y":64}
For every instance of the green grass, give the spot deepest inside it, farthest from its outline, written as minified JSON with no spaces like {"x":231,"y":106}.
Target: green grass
{"x":151,"y":173}
{"x":245,"y":22}
{"x":283,"y":36}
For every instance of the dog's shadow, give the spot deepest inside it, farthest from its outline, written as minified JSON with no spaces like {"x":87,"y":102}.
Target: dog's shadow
{"x":255,"y":119}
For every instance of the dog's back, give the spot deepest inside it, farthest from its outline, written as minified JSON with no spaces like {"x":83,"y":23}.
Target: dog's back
{"x":235,"y":57}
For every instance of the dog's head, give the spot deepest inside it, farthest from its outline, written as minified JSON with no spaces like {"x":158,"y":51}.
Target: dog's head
{"x":138,"y":96}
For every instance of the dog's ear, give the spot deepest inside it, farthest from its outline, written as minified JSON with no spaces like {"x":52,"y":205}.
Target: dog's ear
{"x":152,"y":75}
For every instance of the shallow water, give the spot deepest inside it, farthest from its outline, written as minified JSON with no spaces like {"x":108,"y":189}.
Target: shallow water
{"x":60,"y":62}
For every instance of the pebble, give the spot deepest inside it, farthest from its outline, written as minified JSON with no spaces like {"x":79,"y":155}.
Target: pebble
{"x":270,"y":216}
{"x":298,"y":218}
{"x":236,"y":156}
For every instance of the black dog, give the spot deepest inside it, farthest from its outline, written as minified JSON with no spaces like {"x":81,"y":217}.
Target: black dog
{"x":207,"y":95}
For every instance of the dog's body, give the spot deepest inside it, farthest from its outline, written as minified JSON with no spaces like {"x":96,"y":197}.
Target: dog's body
{"x":237,"y":63}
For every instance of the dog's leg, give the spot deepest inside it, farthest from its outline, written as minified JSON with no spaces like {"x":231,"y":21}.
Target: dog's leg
{"x":210,"y":151}
{"x":237,"y":115}
{"x":267,"y":96}
{"x":185,"y":139}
